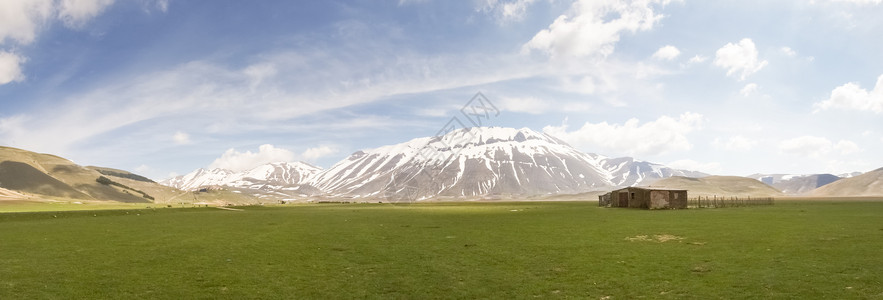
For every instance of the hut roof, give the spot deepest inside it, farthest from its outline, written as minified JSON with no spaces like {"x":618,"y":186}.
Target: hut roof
{"x":650,"y":188}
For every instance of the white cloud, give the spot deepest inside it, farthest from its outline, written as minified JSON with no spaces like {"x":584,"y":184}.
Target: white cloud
{"x":21,"y":19}
{"x":240,"y":161}
{"x":10,"y":67}
{"x":788,"y":51}
{"x":861,"y":2}
{"x":692,"y":165}
{"x":142,"y":168}
{"x":668,"y":52}
{"x":664,"y":135}
{"x":749,"y":89}
{"x":312,"y":154}
{"x":816,"y":147}
{"x":591,"y":28}
{"x":75,"y":13}
{"x":851,"y":96}
{"x":697,"y":59}
{"x":735,"y":143}
{"x":739,"y":59}
{"x":181,"y":138}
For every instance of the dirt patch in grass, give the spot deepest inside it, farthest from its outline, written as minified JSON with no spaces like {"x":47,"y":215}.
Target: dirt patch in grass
{"x":659,"y":238}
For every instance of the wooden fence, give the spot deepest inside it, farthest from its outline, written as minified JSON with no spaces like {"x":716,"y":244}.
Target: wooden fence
{"x":720,"y":202}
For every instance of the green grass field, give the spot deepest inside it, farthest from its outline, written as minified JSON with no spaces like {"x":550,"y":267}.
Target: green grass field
{"x":795,"y":250}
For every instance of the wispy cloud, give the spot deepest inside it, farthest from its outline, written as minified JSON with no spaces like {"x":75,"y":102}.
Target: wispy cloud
{"x":816,"y":147}
{"x":181,"y":138}
{"x":735,"y":143}
{"x":75,"y":13}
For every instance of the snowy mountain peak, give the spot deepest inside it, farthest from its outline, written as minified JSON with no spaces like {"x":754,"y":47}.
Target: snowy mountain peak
{"x":470,"y":162}
{"x":473,"y":136}
{"x":482,"y":161}
{"x":276,"y":174}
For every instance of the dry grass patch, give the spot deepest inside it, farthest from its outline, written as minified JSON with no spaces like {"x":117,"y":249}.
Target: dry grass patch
{"x":659,"y":238}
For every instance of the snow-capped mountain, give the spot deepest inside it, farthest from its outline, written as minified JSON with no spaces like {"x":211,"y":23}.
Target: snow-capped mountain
{"x":272,"y":176}
{"x":796,"y":184}
{"x":465,"y":163}
{"x":482,"y":162}
{"x":627,"y":171}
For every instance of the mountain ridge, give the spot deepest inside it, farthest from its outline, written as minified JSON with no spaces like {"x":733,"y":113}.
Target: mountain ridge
{"x":796,"y":184}
{"x":867,"y":184}
{"x":469,"y":162}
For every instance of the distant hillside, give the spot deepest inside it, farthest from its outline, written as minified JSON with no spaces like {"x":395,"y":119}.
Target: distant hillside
{"x":796,"y":184}
{"x":24,"y":173}
{"x":868,"y":184}
{"x":120,"y":173}
{"x":719,"y":185}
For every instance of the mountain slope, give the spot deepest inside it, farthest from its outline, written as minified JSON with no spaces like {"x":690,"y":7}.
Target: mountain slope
{"x":867,"y":184}
{"x":627,"y":171}
{"x":795,"y":184}
{"x":476,"y":162}
{"x":27,"y":172}
{"x":724,"y":186}
{"x":287,"y":178}
{"x":466,"y":163}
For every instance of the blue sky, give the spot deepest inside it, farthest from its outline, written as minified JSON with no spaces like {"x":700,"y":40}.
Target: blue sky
{"x":162,"y":87}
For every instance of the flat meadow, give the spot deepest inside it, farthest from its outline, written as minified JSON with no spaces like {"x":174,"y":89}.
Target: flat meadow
{"x":793,"y":249}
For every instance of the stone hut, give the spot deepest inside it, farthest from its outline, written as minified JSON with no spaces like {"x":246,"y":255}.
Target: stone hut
{"x":646,"y":198}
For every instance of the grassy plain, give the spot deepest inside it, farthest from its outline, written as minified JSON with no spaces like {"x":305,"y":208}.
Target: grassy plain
{"x":795,"y":249}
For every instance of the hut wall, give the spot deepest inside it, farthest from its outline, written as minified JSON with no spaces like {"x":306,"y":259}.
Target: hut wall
{"x":639,"y":198}
{"x":604,"y":200}
{"x":660,"y":199}
{"x":678,"y":199}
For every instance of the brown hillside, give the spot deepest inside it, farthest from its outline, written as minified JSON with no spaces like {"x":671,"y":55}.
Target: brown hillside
{"x":868,"y":184}
{"x":53,"y":176}
{"x":724,"y":186}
